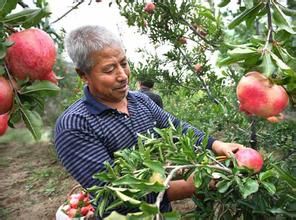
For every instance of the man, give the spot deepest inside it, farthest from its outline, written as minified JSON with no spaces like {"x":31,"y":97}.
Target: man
{"x":109,"y":116}
{"x":146,"y":86}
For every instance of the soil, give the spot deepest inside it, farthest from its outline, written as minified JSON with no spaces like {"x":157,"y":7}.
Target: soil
{"x":34,"y":184}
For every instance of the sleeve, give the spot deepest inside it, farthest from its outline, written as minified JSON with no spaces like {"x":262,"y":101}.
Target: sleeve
{"x":81,"y":152}
{"x":162,"y":118}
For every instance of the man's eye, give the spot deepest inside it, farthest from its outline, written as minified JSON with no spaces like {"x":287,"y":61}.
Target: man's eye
{"x":124,"y":64}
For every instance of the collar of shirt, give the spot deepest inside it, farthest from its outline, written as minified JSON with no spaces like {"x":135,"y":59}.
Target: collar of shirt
{"x":96,"y":107}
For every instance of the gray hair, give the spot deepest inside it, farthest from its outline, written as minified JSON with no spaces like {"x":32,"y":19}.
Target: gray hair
{"x":83,"y":41}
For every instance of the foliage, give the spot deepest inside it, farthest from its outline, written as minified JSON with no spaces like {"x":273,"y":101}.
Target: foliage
{"x":236,"y":192}
{"x":29,"y":101}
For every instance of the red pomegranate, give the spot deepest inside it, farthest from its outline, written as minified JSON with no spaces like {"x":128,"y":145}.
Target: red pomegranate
{"x":6,"y":95}
{"x":149,"y":7}
{"x":257,"y":95}
{"x":32,"y":55}
{"x":249,"y":158}
{"x":3,"y":123}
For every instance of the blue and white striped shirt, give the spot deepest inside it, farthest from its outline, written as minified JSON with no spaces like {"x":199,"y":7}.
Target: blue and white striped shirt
{"x":89,"y":132}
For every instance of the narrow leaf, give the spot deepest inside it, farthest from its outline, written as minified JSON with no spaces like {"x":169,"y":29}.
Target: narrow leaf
{"x":245,"y":14}
{"x":270,"y":187}
{"x":265,"y":175}
{"x":33,"y":122}
{"x":155,"y":166}
{"x":223,"y":186}
{"x":6,"y":6}
{"x":126,"y":198}
{"x":223,"y":3}
{"x":40,"y":86}
{"x":283,"y":175}
{"x":115,"y":216}
{"x":249,"y":187}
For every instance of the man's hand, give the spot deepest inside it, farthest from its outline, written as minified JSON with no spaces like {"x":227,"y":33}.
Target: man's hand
{"x":222,"y":148}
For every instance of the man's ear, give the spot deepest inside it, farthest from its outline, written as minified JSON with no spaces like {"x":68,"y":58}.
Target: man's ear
{"x":81,"y":74}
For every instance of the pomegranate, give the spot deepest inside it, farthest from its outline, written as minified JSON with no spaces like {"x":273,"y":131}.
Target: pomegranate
{"x":3,"y":123}
{"x":149,"y":7}
{"x":52,"y":77}
{"x":257,"y":95}
{"x":6,"y":95}
{"x":198,"y":68}
{"x":249,"y":158}
{"x":32,"y":55}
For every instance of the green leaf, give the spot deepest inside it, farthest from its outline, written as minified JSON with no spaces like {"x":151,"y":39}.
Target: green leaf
{"x":6,"y":6}
{"x":223,"y":186}
{"x":280,"y":63}
{"x":33,"y":122}
{"x":252,"y":12}
{"x":283,"y":175}
{"x":249,"y":187}
{"x":287,"y":11}
{"x":279,"y":15}
{"x":197,"y":179}
{"x":268,"y":66}
{"x":242,"y":52}
{"x":26,"y":18}
{"x":265,"y":175}
{"x":270,"y":187}
{"x":156,"y":166}
{"x":149,"y":208}
{"x":172,"y":215}
{"x":283,"y":212}
{"x":126,"y":198}
{"x":43,"y":87}
{"x":115,"y":216}
{"x":121,"y":189}
{"x":223,"y":3}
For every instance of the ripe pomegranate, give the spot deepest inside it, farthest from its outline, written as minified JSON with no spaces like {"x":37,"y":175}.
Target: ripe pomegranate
{"x":3,"y":123}
{"x":249,"y":158}
{"x":149,"y":7}
{"x":32,"y":55}
{"x":198,"y":68}
{"x":6,"y":95}
{"x":257,"y":95}
{"x":52,"y":77}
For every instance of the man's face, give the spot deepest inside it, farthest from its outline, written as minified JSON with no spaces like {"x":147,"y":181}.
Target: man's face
{"x":108,"y":79}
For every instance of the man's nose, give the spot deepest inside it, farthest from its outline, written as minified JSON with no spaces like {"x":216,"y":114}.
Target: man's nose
{"x":121,"y":74}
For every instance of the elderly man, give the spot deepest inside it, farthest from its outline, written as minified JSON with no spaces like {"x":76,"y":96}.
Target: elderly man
{"x":109,"y":116}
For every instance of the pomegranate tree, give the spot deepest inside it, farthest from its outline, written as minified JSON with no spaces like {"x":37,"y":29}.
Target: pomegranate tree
{"x":32,"y":55}
{"x":249,"y":158}
{"x":259,"y":96}
{"x":6,"y":95}
{"x":3,"y":123}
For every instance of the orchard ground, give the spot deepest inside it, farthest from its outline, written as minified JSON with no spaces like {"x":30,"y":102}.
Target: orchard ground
{"x":33,"y":182}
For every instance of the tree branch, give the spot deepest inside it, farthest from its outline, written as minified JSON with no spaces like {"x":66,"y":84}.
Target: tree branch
{"x":71,"y":9}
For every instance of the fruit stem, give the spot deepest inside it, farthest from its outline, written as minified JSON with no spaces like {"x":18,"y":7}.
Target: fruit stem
{"x":13,"y":87}
{"x":253,"y":141}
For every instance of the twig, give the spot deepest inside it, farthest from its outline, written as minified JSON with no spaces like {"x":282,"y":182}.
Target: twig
{"x":172,"y":173}
{"x":197,"y":33}
{"x":74,"y":7}
{"x":253,"y":141}
{"x":24,"y":5}
{"x":269,"y":21}
{"x":201,"y":80}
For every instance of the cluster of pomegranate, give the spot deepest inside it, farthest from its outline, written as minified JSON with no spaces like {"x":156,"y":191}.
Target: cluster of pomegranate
{"x":32,"y":56}
{"x":78,"y":205}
